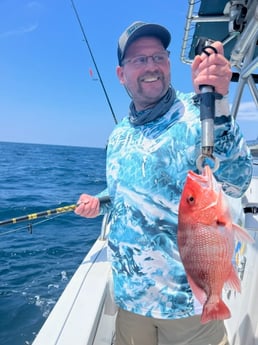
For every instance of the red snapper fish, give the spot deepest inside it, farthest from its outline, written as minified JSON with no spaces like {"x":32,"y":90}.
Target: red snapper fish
{"x":206,"y":241}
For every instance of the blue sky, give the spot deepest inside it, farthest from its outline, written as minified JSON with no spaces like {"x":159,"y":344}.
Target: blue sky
{"x":47,"y":94}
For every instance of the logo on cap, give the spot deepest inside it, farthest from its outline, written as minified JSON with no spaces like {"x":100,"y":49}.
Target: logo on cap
{"x":132,"y":28}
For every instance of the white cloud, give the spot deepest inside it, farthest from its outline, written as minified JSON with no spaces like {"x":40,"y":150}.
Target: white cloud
{"x":34,"y":4}
{"x":19,"y":31}
{"x":247,"y":118}
{"x":247,"y":112}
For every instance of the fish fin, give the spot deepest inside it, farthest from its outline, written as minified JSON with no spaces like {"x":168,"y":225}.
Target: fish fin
{"x":198,"y":292}
{"x":233,"y":281}
{"x":241,"y":234}
{"x":215,"y":311}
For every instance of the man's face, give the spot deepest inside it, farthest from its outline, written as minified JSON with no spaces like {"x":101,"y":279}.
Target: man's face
{"x":146,"y":81}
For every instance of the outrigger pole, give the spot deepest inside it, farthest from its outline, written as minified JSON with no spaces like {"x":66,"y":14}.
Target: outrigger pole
{"x":96,"y":67}
{"x":33,"y":216}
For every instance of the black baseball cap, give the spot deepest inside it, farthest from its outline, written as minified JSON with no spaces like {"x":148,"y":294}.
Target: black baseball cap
{"x":140,"y":29}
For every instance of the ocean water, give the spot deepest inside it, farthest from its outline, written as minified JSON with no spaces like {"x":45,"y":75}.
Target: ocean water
{"x":36,"y":267}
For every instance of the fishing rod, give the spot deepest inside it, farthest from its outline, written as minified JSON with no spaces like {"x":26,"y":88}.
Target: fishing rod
{"x":63,"y":209}
{"x":95,"y":64}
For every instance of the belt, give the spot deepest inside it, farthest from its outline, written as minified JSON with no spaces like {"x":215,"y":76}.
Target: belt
{"x":251,"y":209}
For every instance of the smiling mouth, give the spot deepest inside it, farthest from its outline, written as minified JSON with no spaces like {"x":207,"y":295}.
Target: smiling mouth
{"x":150,"y":79}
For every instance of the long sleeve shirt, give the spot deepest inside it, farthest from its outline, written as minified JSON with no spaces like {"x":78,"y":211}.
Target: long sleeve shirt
{"x":146,"y":170}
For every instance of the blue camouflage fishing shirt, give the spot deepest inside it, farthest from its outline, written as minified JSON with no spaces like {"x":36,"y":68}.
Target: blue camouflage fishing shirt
{"x":146,"y":170}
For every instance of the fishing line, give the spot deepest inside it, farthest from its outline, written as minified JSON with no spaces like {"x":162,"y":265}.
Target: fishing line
{"x":94,"y":62}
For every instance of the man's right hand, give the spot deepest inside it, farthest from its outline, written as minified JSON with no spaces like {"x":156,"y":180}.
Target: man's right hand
{"x":88,"y":206}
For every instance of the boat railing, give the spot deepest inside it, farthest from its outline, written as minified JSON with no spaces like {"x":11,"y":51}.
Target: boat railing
{"x":235,"y":24}
{"x":105,"y":227}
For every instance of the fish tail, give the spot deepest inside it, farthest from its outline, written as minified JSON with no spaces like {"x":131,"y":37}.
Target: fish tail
{"x":215,"y":311}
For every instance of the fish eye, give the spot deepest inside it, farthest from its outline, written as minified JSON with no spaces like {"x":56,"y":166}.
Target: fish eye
{"x":190,"y":199}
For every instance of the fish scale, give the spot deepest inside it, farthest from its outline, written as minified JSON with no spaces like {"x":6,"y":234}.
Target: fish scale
{"x":206,"y":240}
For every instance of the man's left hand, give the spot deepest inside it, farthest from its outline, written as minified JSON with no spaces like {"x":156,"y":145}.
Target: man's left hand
{"x":213,"y":69}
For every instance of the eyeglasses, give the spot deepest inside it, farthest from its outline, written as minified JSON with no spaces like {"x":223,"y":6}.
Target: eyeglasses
{"x":142,"y":60}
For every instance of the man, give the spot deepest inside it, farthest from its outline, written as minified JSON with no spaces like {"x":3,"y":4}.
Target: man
{"x":148,"y":156}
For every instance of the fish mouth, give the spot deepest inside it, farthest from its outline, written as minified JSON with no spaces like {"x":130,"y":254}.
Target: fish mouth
{"x":207,"y":172}
{"x":207,"y":184}
{"x":205,"y":179}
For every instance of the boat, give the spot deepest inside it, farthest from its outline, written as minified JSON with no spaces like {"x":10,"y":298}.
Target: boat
{"x":85,"y":313}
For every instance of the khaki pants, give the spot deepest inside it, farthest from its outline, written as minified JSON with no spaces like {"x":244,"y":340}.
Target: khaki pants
{"x":133,"y":329}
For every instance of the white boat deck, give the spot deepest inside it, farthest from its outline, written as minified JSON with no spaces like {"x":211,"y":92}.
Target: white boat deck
{"x":77,"y":316}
